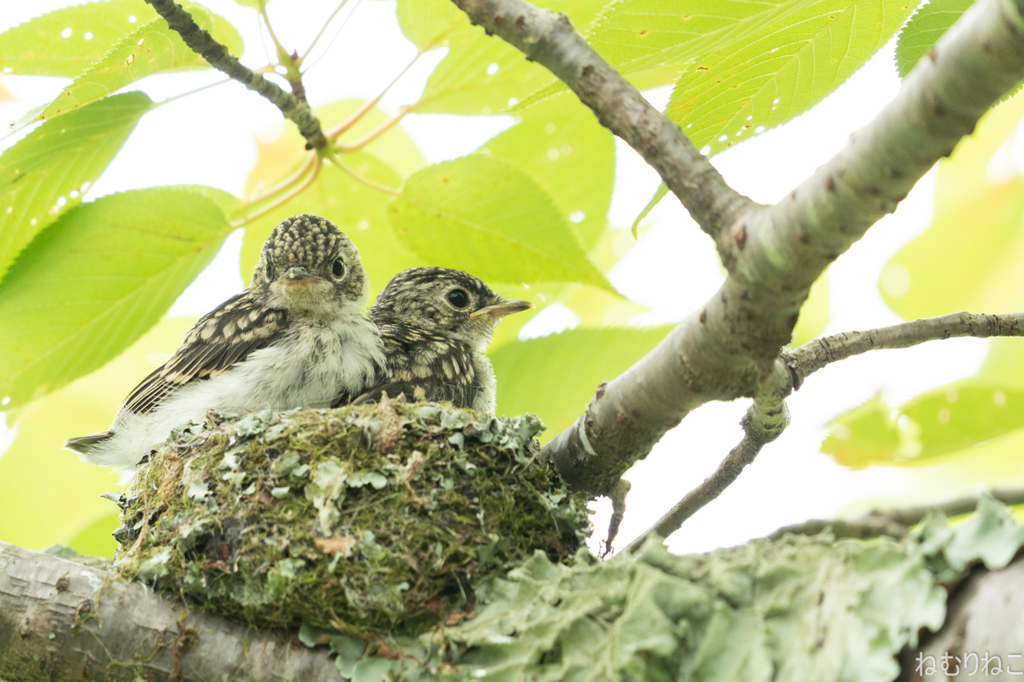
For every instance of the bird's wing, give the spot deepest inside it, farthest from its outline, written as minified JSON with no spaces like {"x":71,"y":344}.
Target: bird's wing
{"x":218,"y":340}
{"x":423,"y":368}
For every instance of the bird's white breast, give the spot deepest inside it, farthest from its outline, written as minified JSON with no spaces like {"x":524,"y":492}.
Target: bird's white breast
{"x":311,"y":366}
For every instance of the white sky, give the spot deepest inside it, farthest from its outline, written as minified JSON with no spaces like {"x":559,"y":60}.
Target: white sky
{"x":674,"y":270}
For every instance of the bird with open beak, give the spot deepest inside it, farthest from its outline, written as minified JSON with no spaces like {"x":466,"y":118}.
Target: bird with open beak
{"x":436,"y":324}
{"x":297,"y":337}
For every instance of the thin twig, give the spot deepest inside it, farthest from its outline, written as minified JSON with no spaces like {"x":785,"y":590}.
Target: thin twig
{"x":897,"y":521}
{"x":218,"y":56}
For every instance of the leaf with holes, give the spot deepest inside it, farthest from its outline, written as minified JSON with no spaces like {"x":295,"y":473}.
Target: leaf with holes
{"x":153,"y":47}
{"x":938,"y":425}
{"x":555,"y":375}
{"x":924,"y":29}
{"x":774,"y":64}
{"x":557,"y":143}
{"x":46,"y":173}
{"x":480,"y":74}
{"x":98,"y":279}
{"x":486,"y":215}
{"x":67,"y":41}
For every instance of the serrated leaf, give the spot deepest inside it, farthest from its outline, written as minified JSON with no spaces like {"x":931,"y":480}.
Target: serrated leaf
{"x":945,"y":421}
{"x":489,"y":217}
{"x":97,"y":279}
{"x":39,"y":510}
{"x":151,"y":48}
{"x":67,"y":41}
{"x":774,"y":64}
{"x":480,"y":74}
{"x":45,"y":174}
{"x":554,"y":376}
{"x":558,"y":143}
{"x":924,"y":29}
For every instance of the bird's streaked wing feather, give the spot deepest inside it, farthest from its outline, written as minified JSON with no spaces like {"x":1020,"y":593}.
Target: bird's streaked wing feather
{"x":218,"y":340}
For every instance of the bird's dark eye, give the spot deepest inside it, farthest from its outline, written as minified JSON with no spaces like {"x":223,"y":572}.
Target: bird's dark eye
{"x":458,"y":298}
{"x":338,"y":268}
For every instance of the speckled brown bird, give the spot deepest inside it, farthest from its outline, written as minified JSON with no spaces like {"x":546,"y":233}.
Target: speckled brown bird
{"x":297,"y":337}
{"x":436,"y":324}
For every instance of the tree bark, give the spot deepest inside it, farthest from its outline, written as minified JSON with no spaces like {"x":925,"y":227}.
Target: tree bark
{"x":64,"y":621}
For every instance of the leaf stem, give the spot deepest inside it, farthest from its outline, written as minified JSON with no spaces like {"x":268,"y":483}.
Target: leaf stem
{"x":323,"y":30}
{"x":333,"y":158}
{"x":376,"y":132}
{"x":287,"y":196}
{"x":361,"y":111}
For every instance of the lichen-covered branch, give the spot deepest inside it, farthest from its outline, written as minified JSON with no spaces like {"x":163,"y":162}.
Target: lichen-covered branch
{"x":293,"y":106}
{"x":64,"y":621}
{"x":773,"y":254}
{"x":550,"y":40}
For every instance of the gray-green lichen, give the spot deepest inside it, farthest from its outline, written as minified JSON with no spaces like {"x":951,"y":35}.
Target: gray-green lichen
{"x":382,"y":518}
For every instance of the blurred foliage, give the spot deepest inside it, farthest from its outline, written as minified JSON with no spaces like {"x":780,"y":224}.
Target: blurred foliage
{"x":971,"y":257}
{"x":527,"y":211}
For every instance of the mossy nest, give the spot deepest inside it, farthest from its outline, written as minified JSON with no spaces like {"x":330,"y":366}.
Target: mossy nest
{"x":376,"y":518}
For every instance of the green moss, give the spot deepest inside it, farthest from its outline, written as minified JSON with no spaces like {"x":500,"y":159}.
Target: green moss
{"x":380,"y":518}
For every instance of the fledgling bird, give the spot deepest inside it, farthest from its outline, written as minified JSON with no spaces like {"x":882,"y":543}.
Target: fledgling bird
{"x":436,"y":324}
{"x":297,"y":337}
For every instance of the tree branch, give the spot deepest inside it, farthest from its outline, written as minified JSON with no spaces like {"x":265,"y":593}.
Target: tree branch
{"x":773,"y":254}
{"x":550,"y":40}
{"x":295,"y":109}
{"x":65,"y":621}
{"x":896,"y":521}
{"x":767,"y":417}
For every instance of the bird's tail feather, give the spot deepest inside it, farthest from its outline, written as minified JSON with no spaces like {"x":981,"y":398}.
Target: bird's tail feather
{"x":83,"y":444}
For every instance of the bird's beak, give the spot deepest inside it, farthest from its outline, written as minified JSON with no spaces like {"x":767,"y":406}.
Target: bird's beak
{"x":502,"y":308}
{"x":296,"y":275}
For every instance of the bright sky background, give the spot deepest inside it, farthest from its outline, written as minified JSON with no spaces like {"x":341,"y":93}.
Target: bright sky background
{"x":207,"y":139}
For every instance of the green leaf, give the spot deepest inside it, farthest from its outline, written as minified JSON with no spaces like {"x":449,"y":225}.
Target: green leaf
{"x":480,"y":74}
{"x":39,"y":46}
{"x":772,"y":65}
{"x":63,"y":504}
{"x":488,"y":216}
{"x":546,"y":376}
{"x":96,"y":280}
{"x":45,"y":174}
{"x":924,"y":29}
{"x":557,"y":143}
{"x":151,"y":48}
{"x":945,"y":421}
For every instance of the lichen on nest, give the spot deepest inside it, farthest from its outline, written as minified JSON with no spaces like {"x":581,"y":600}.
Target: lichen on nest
{"x":379,"y":518}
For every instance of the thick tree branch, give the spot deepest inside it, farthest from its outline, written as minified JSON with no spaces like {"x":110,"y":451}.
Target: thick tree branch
{"x":773,"y":254}
{"x":550,"y":40}
{"x":294,"y":108}
{"x":767,"y":417}
{"x":65,"y":621}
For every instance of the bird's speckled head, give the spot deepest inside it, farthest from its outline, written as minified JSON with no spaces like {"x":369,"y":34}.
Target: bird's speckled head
{"x":308,"y":265}
{"x":447,"y":302}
